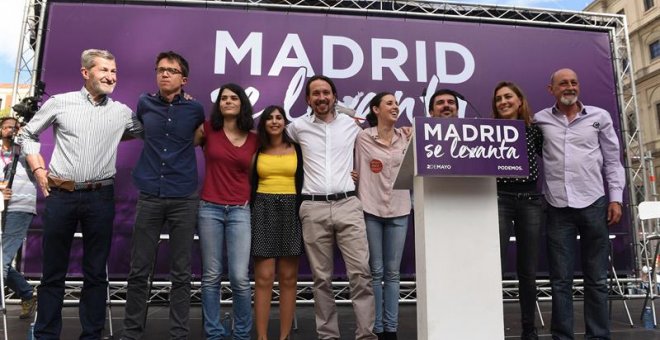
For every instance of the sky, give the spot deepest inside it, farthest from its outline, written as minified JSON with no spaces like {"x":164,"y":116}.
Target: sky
{"x":11,"y":16}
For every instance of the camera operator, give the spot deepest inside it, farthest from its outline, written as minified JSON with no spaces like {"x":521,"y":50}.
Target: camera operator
{"x":22,"y":197}
{"x":79,"y":188}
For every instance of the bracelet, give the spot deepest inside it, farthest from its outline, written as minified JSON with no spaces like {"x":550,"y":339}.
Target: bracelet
{"x":37,"y":168}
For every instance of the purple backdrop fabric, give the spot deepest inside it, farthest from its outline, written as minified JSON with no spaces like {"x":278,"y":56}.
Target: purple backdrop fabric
{"x":272,"y":53}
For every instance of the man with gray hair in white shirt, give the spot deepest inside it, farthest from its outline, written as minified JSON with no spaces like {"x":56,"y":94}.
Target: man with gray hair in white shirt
{"x":79,"y":188}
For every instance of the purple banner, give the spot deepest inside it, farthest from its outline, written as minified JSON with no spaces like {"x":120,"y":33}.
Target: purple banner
{"x":470,"y":147}
{"x":272,"y":54}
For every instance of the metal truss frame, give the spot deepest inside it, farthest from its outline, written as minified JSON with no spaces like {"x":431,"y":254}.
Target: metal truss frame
{"x":27,"y":72}
{"x":628,"y":289}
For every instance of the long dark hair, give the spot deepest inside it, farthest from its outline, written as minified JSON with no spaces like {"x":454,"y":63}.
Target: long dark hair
{"x":244,"y":120}
{"x":524,"y":111}
{"x":372,"y":119}
{"x":264,"y":139}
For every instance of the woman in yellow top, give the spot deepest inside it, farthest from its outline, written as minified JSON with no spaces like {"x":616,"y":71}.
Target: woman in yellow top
{"x":276,"y":230}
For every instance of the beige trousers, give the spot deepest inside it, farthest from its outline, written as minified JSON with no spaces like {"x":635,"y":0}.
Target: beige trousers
{"x":323,"y":223}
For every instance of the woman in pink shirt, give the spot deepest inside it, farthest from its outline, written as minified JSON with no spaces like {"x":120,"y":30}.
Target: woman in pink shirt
{"x":379,"y":151}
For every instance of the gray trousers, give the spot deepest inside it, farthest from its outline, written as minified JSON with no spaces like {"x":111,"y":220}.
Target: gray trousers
{"x":343,"y":220}
{"x":180,"y":214}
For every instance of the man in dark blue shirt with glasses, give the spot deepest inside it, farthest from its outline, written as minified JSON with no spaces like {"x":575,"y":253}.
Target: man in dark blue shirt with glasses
{"x":166,"y":175}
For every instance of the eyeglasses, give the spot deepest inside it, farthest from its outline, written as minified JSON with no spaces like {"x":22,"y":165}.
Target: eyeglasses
{"x":169,"y":70}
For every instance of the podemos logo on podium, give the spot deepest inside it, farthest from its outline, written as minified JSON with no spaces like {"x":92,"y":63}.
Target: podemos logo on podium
{"x":470,"y":147}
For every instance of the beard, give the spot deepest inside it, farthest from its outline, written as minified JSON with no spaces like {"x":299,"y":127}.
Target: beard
{"x":323,"y":107}
{"x":568,"y":101}
{"x":449,"y":112}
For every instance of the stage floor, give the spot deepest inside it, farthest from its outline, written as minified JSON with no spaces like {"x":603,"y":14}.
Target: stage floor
{"x":157,"y":325}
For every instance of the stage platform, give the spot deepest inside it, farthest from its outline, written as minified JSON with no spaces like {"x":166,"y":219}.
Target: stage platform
{"x":157,"y":326}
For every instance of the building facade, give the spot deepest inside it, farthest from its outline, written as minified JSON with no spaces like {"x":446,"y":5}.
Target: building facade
{"x":643,"y":18}
{"x":6,"y":97}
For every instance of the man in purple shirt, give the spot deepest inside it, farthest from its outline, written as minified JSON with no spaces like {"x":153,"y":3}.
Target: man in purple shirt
{"x":580,"y":145}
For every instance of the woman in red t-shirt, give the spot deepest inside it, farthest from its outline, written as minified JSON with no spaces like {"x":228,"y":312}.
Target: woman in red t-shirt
{"x":224,"y":211}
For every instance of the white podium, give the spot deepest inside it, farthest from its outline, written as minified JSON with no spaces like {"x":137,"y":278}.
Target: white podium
{"x":459,"y":278}
{"x":457,"y":252}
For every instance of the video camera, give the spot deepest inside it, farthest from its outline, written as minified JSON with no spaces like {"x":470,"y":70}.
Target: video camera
{"x":28,"y":106}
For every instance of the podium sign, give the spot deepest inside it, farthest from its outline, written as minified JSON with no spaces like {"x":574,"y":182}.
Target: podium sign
{"x":459,"y":280}
{"x":470,"y":147}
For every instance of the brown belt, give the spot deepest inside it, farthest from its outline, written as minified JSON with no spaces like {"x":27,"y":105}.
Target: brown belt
{"x":69,"y":185}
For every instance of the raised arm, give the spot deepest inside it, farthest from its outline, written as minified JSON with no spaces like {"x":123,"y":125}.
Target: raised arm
{"x":134,"y":129}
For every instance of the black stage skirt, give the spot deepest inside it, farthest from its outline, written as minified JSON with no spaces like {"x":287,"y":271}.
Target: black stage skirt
{"x":276,"y":229}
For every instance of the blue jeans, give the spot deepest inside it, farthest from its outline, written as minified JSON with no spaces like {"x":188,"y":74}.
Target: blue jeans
{"x":231,"y":224}
{"x":95,"y":211}
{"x":386,"y":237}
{"x":522,"y":215}
{"x":16,"y":227}
{"x":152,"y":213}
{"x":563,"y":226}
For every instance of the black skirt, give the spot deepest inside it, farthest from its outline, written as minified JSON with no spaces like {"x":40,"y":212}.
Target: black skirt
{"x":276,"y":229}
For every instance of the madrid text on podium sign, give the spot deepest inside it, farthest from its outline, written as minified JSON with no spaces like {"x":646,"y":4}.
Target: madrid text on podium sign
{"x":470,"y":147}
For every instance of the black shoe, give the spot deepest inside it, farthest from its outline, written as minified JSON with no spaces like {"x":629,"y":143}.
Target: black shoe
{"x":381,"y":336}
{"x":529,"y":334}
{"x":390,"y":336}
